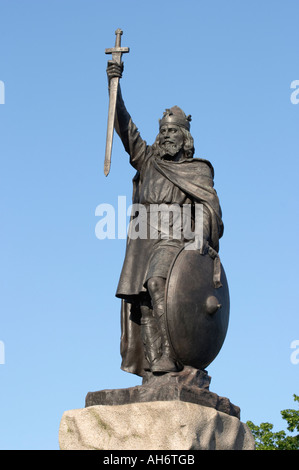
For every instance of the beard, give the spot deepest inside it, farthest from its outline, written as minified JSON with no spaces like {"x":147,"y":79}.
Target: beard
{"x":168,"y":149}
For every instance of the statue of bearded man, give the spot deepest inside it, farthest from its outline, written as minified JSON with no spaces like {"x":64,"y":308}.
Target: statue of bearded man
{"x":167,"y":175}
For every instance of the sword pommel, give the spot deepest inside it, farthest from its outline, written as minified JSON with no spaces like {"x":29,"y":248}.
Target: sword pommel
{"x":118,"y":33}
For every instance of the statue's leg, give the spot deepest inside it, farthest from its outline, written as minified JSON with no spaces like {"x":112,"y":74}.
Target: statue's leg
{"x":156,"y":288}
{"x":150,"y":334}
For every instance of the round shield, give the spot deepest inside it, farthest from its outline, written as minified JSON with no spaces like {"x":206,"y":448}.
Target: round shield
{"x":197,"y":312}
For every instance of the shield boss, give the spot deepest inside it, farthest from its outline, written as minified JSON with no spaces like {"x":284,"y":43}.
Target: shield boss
{"x":197,"y":313}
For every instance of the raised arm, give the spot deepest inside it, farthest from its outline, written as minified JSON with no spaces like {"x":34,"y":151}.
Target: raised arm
{"x":122,"y":117}
{"x":134,"y":145}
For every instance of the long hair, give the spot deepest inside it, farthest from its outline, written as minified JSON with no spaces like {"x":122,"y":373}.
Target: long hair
{"x":188,"y":145}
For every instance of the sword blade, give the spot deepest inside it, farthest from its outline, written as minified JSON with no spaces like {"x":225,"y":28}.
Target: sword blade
{"x":116,"y":52}
{"x":110,"y":125}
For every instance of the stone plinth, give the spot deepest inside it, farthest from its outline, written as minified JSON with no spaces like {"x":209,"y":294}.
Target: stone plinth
{"x":157,"y":425}
{"x":174,"y":411}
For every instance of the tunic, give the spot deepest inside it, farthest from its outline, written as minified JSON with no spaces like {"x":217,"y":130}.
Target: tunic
{"x":163,"y":182}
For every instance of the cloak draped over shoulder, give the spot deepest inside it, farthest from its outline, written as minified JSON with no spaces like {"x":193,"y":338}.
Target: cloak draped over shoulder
{"x":186,"y":181}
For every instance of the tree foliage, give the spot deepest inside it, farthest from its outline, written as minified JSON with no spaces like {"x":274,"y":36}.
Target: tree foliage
{"x":266,"y":439}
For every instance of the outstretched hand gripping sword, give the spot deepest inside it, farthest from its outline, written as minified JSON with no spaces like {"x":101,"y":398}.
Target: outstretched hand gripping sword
{"x":116,"y":52}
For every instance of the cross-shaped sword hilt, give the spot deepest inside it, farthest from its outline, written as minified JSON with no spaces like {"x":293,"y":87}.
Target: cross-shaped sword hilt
{"x":117,"y":50}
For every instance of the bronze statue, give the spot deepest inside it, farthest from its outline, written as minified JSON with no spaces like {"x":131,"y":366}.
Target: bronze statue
{"x":175,"y":302}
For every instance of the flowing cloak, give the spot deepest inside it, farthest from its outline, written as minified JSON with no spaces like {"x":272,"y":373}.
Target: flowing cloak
{"x":194,"y":177}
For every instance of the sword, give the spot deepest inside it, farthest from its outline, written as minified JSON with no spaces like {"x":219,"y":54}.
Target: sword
{"x":116,"y":52}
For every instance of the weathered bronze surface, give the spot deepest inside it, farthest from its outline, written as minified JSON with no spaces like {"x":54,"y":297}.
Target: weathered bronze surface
{"x":189,"y":385}
{"x":197,"y":312}
{"x":116,"y":52}
{"x":175,"y":300}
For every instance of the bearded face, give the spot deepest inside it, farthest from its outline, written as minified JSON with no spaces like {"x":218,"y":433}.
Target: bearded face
{"x":171,"y":139}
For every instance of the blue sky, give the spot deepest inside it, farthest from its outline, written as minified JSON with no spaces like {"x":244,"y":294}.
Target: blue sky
{"x":228,"y":64}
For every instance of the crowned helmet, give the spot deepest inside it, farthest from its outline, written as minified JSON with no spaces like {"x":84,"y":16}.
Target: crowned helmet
{"x":176,"y":116}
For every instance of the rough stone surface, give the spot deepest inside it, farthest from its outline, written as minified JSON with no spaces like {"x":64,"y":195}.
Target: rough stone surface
{"x":158,"y":425}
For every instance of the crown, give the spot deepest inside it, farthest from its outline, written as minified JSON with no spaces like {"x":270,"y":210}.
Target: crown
{"x":175,"y":116}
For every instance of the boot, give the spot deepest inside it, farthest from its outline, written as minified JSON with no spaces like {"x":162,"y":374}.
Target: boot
{"x":151,"y":337}
{"x":165,"y":363}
